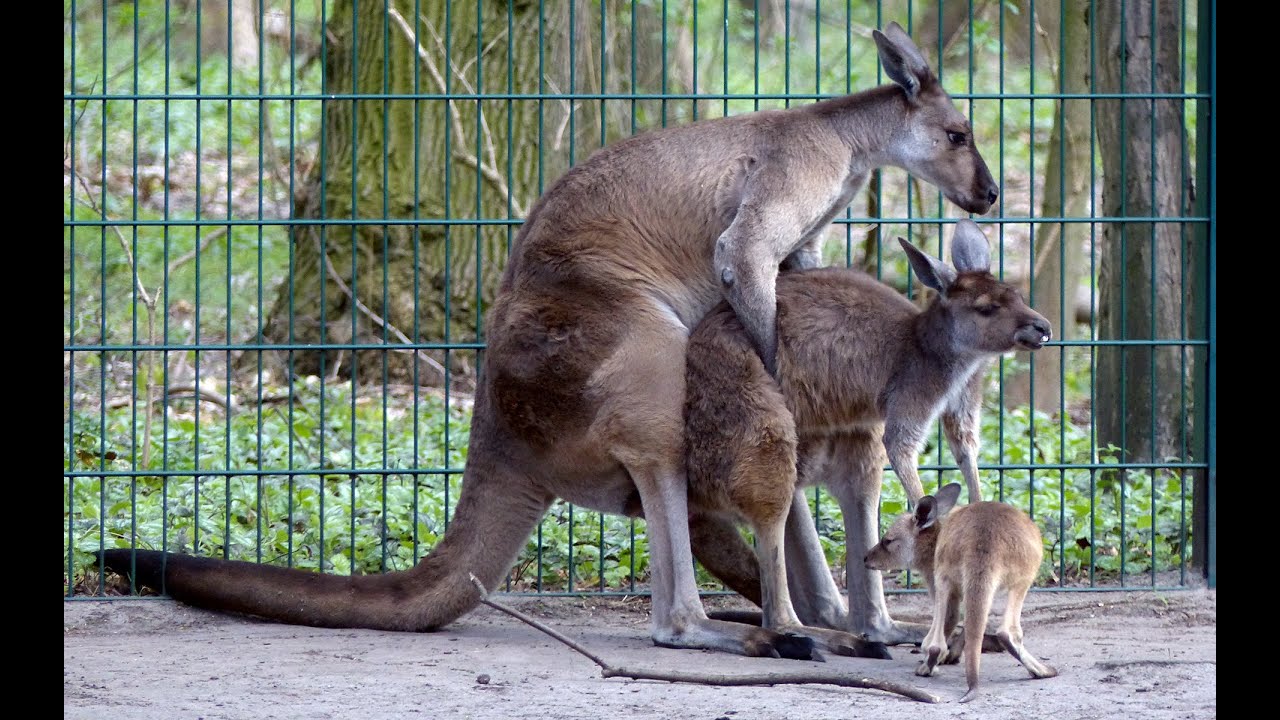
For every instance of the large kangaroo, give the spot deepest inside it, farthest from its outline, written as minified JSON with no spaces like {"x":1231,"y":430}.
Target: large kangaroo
{"x":861,"y":372}
{"x":966,"y":556}
{"x":581,"y":390}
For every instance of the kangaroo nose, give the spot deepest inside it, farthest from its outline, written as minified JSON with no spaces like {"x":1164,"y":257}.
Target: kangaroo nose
{"x":1043,"y":327}
{"x":992,"y":194}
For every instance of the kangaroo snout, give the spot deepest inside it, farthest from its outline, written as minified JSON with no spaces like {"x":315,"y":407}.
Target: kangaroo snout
{"x":1034,"y":334}
{"x":978,"y":204}
{"x":985,"y":191}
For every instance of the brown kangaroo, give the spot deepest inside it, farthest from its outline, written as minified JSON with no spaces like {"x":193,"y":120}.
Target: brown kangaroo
{"x":861,"y":372}
{"x":581,"y":389}
{"x":965,"y":556}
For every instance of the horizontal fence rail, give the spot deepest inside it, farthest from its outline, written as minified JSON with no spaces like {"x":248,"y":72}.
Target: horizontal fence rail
{"x":284,"y":223}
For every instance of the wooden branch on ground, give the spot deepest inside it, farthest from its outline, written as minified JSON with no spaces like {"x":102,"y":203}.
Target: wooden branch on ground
{"x":608,"y":671}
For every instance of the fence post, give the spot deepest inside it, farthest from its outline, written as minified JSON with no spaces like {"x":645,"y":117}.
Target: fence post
{"x":1205,"y":309}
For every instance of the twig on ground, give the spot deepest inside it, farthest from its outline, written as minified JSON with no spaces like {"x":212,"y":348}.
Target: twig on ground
{"x":608,"y":671}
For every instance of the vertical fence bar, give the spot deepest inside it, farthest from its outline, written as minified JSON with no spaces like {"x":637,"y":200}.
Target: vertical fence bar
{"x":1188,"y":250}
{"x":71,"y":306}
{"x":1155,"y":247}
{"x":386,"y":302}
{"x":1204,"y":524}
{"x":1065,"y":315}
{"x":226,"y":411}
{"x":1124,"y":309}
{"x":1000,"y":272}
{"x":1031,"y":259}
{"x":102,"y":302}
{"x":292,"y":245}
{"x":724,"y":56}
{"x":133,"y":364}
{"x":416,"y":235}
{"x":1093,"y":296}
{"x":259,"y":340}
{"x":573,"y":62}
{"x":542,"y":44}
{"x":693,"y":104}
{"x":448,"y":246}
{"x":195,"y":543}
{"x":164,"y":390}
{"x":324,"y":253}
{"x":354,"y":362}
{"x":603,"y":121}
{"x":510,"y":177}
{"x":632,"y":532}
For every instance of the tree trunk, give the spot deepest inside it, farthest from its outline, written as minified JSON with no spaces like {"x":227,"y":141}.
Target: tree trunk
{"x":1142,"y":284}
{"x":410,"y":159}
{"x":1059,"y":247}
{"x":243,"y":32}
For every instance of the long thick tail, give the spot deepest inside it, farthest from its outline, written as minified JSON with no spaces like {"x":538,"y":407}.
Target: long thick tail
{"x":496,"y":513}
{"x":978,"y":594}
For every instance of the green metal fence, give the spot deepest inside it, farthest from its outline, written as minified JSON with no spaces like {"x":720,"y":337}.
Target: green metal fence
{"x":283,"y":222}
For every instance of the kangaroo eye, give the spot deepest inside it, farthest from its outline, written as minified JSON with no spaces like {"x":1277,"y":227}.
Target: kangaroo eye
{"x":956,"y":138}
{"x":887,"y":542}
{"x":987,"y":310}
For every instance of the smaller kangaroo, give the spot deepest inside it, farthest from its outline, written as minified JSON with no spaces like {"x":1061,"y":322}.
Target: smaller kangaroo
{"x":965,"y":555}
{"x":862,"y":373}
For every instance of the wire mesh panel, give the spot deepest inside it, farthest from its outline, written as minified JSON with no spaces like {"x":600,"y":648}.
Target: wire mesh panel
{"x":284,"y":223}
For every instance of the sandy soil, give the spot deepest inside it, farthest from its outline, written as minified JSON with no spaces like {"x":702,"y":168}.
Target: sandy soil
{"x":1149,"y":655}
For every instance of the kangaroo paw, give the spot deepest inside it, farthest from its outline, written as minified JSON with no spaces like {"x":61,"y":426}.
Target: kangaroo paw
{"x":873,"y":650}
{"x":796,"y":647}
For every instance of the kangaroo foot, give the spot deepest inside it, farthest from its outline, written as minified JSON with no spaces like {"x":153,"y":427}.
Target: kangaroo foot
{"x":739,"y":639}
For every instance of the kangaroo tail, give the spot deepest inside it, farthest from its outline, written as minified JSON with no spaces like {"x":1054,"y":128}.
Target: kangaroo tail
{"x":978,"y":593}
{"x":495,"y":515}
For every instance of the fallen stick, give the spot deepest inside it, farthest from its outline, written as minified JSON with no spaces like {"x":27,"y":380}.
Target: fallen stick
{"x":608,"y":671}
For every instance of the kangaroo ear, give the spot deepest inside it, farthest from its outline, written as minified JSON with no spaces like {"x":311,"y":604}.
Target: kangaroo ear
{"x":903,"y":62}
{"x":969,"y":249}
{"x":932,"y":271}
{"x":926,"y":512}
{"x":947,"y":498}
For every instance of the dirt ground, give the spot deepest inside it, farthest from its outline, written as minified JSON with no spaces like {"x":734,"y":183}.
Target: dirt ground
{"x":1149,"y":655}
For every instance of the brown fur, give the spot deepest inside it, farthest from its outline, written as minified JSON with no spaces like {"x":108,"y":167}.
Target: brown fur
{"x":965,"y":557}
{"x":582,"y":384}
{"x":862,"y":372}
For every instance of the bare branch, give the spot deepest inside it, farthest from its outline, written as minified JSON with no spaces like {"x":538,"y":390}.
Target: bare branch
{"x":460,"y":73}
{"x":485,"y":50}
{"x":176,"y":391}
{"x":377,"y":319}
{"x":204,"y":245}
{"x":493,"y":176}
{"x":978,"y":10}
{"x":204,"y":394}
{"x":124,"y":244}
{"x":75,"y":122}
{"x":489,"y":172}
{"x":608,"y":671}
